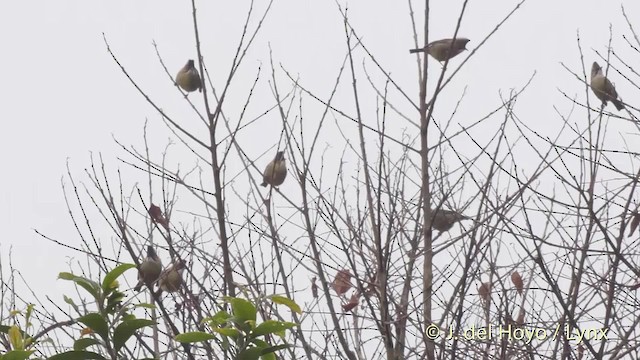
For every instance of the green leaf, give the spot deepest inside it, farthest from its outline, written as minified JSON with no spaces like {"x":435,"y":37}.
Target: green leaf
{"x":15,"y":338}
{"x":97,"y":323}
{"x":125,"y":329}
{"x":272,"y":327}
{"x":84,"y":343}
{"x":283,"y":300}
{"x":272,"y":349}
{"x":226,"y":342}
{"x":114,"y":301}
{"x":17,"y":355}
{"x":220,"y":318}
{"x":195,"y":336}
{"x":263,"y":345}
{"x":252,"y":353}
{"x":227,"y":332}
{"x":243,"y":310}
{"x":66,"y":276}
{"x":77,"y":355}
{"x":69,"y":301}
{"x":29,"y":312}
{"x":5,"y":329}
{"x":260,"y":343}
{"x":113,"y":275}
{"x":91,"y":286}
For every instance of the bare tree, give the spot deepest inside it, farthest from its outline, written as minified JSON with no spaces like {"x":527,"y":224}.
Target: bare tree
{"x":430,"y":239}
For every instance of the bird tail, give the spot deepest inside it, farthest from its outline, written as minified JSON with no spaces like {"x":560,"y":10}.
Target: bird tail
{"x":413,"y":51}
{"x":264,"y":184}
{"x":618,"y":104}
{"x":138,"y":287}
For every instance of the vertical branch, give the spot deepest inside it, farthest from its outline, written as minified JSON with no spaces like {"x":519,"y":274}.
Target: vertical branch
{"x":229,"y":287}
{"x":427,"y":283}
{"x":384,"y":316}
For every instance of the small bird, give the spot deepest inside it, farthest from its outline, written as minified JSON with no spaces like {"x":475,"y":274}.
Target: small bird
{"x":443,"y":220}
{"x":170,"y":279}
{"x":603,"y":88}
{"x":188,"y":78}
{"x":445,"y":49}
{"x":276,"y":171}
{"x":149,"y":270}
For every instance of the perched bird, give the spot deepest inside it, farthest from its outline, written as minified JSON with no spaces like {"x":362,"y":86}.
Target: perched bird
{"x":188,"y":78}
{"x":603,"y":88}
{"x":170,"y":279}
{"x":149,"y":269}
{"x":445,"y":49}
{"x":443,"y":220}
{"x":276,"y":171}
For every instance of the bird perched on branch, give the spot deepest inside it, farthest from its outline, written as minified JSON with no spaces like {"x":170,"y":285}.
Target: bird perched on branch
{"x":170,"y":279}
{"x":445,"y":49}
{"x":603,"y":88}
{"x":443,"y":220}
{"x":149,"y":269}
{"x":188,"y":78}
{"x":276,"y":171}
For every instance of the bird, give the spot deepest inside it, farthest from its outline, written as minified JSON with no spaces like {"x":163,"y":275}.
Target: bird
{"x":149,"y":269}
{"x":276,"y":171}
{"x":603,"y":88}
{"x":444,"y":49}
{"x":443,"y":220}
{"x":170,"y":279}
{"x":188,"y":78}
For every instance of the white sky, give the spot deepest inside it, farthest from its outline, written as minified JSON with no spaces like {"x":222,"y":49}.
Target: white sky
{"x":64,"y":97}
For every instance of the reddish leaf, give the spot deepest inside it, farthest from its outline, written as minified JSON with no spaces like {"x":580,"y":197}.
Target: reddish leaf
{"x":342,"y":282}
{"x":157,"y":217}
{"x":580,"y":351}
{"x":635,"y":221}
{"x":314,"y":288}
{"x":520,"y":319}
{"x":353,"y":302}
{"x":516,"y":279}
{"x":484,"y":291}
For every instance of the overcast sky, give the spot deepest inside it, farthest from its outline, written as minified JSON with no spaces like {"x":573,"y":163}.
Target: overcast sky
{"x":63,"y":97}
